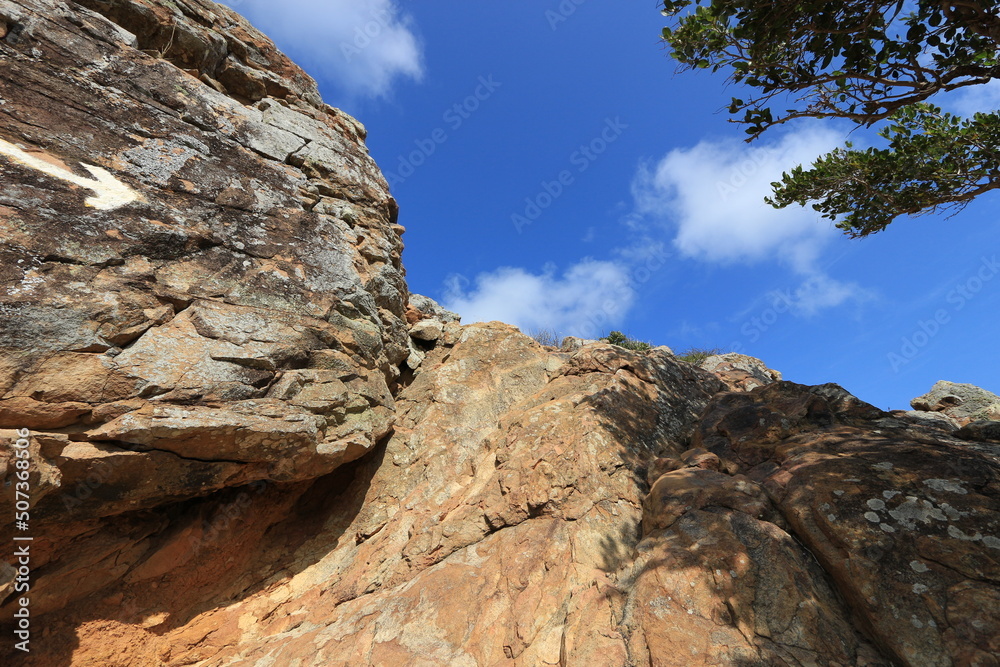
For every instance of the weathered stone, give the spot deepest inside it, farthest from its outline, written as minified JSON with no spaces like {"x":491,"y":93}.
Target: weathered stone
{"x":428,"y":307}
{"x":689,"y":489}
{"x":701,"y":458}
{"x":980,"y":430}
{"x":572,"y":343}
{"x":964,"y":403}
{"x":904,"y":527}
{"x":24,"y":412}
{"x":740,"y":372}
{"x":219,"y":281}
{"x":415,"y":358}
{"x":427,"y":330}
{"x":932,"y":419}
{"x":204,"y":328}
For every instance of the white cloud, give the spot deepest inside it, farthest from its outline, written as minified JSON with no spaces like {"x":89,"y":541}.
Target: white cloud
{"x":714,"y":195}
{"x":586,"y":300}
{"x":360,"y":46}
{"x":983,"y":98}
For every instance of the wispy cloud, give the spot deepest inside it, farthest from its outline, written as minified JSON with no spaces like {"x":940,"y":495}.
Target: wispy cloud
{"x":711,"y":197}
{"x":359,"y":46}
{"x":584,"y":300}
{"x":819,"y":291}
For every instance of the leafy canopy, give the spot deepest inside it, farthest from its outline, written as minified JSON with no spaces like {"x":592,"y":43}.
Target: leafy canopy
{"x":868,"y":62}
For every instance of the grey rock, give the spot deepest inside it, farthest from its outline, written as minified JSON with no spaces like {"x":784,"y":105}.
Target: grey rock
{"x":214,"y":330}
{"x":415,"y":358}
{"x":432,"y":308}
{"x":572,"y":343}
{"x":429,"y":330}
{"x":739,"y":371}
{"x":964,"y":403}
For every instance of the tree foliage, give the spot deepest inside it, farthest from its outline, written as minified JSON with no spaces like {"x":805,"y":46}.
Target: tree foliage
{"x":868,"y":62}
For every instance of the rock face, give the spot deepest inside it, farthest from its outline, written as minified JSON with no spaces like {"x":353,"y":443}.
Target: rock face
{"x":231,"y":311}
{"x":905,"y":523}
{"x":249,"y":446}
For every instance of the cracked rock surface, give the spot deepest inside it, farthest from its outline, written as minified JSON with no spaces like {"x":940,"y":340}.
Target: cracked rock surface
{"x":509,"y":520}
{"x":240,"y":319}
{"x":250,"y":446}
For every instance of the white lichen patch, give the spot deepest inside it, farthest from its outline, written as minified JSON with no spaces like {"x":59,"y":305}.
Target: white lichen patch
{"x":918,"y":566}
{"x":952,"y":513}
{"x":884,"y":465}
{"x":959,"y":534}
{"x":30,"y":281}
{"x":920,"y":589}
{"x":946,"y":485}
{"x":914,"y":510}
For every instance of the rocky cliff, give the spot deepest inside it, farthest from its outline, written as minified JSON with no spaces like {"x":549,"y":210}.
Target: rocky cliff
{"x":249,"y":444}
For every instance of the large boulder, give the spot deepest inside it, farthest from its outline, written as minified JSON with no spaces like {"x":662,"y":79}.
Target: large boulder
{"x":425,"y":307}
{"x":964,"y":403}
{"x":740,"y":372}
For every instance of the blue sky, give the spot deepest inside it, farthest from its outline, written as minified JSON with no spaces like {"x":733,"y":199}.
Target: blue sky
{"x":554,"y":172}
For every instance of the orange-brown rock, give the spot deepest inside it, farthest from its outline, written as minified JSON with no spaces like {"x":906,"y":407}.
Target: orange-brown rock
{"x":222,"y":303}
{"x":905,"y":521}
{"x":250,"y":446}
